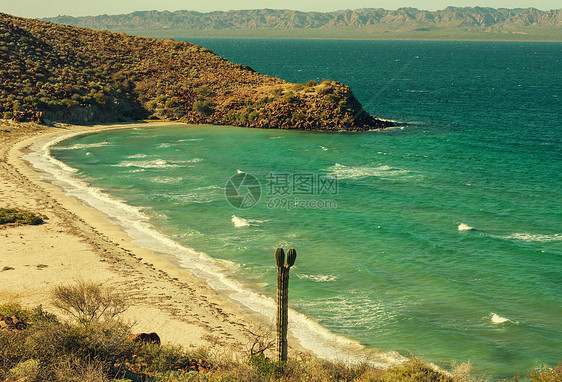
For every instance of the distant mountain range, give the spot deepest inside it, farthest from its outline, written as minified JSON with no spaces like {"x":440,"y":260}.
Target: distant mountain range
{"x":362,"y":23}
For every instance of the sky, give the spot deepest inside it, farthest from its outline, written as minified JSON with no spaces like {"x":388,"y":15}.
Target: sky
{"x":49,"y":8}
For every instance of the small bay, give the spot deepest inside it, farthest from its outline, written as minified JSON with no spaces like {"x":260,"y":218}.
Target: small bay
{"x":441,"y":238}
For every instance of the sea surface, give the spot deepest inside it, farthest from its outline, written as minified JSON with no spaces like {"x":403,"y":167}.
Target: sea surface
{"x":441,"y":238}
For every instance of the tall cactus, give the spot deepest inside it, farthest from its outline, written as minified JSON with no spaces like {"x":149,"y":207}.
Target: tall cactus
{"x":283,"y":299}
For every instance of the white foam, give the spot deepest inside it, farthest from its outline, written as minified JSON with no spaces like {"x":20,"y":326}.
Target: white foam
{"x":194,"y":160}
{"x":534,"y":237}
{"x":134,"y":222}
{"x":190,"y":140}
{"x":164,"y":145}
{"x":241,"y":222}
{"x":498,"y":320}
{"x":82,"y":146}
{"x":187,"y":198}
{"x":137,"y":156}
{"x":341,"y":171}
{"x":166,"y":179}
{"x":464,"y":227}
{"x":318,"y":278}
{"x":156,"y":163}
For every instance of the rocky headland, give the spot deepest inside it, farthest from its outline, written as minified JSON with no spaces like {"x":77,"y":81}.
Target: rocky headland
{"x":59,"y":73}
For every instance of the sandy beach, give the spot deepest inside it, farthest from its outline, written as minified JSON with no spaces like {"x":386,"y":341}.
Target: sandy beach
{"x":80,"y":243}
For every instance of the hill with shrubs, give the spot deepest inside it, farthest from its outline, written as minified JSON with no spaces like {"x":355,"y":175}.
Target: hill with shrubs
{"x":59,"y":73}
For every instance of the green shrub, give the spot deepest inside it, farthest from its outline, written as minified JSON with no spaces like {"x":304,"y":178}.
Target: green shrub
{"x":205,"y":91}
{"x":16,"y":216}
{"x":100,"y":99}
{"x":289,"y":97}
{"x":277,"y":91}
{"x":298,"y":87}
{"x":36,"y":314}
{"x":204,"y":107}
{"x":332,"y":99}
{"x":324,"y":88}
{"x":171,"y":103}
{"x":25,"y":371}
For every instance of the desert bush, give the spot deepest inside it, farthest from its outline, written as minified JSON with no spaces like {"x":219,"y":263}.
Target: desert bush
{"x":50,"y":350}
{"x":277,"y":91}
{"x":298,"y":87}
{"x":88,"y":302}
{"x":36,"y":314}
{"x":205,"y":91}
{"x":16,"y":216}
{"x":289,"y":97}
{"x":171,"y":103}
{"x":25,"y":371}
{"x":204,"y":107}
{"x":77,"y":369}
{"x":324,"y":88}
{"x":332,"y":99}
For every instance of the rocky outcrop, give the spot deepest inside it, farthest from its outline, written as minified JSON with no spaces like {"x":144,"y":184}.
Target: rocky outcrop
{"x":67,"y":74}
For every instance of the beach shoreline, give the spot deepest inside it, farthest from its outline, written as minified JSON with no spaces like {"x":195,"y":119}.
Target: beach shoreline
{"x":79,"y":242}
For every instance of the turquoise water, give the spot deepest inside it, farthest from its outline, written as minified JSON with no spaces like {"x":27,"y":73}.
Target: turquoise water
{"x":380,"y":220}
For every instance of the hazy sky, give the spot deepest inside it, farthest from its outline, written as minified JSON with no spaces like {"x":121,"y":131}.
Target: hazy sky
{"x":47,"y":8}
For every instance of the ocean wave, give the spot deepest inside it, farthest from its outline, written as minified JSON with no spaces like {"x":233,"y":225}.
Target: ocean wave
{"x":137,"y":156}
{"x":187,"y":198}
{"x":534,"y":237}
{"x":166,"y":179}
{"x":498,"y":320}
{"x":81,"y":146}
{"x":194,"y":160}
{"x":318,"y":278}
{"x":356,"y":172}
{"x":465,"y":227}
{"x":241,"y":222}
{"x":211,"y":187}
{"x":156,"y":163}
{"x":190,"y":140}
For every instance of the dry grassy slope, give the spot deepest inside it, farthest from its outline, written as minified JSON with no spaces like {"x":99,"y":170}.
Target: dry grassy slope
{"x":84,"y":76}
